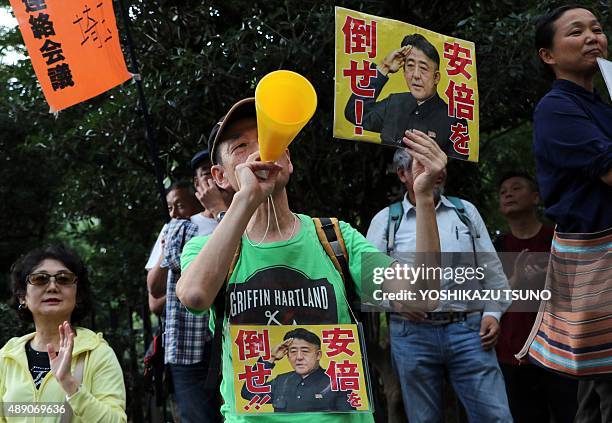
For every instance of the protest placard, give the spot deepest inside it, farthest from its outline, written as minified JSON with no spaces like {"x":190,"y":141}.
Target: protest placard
{"x":285,"y":369}
{"x":392,"y":76}
{"x":606,"y":70}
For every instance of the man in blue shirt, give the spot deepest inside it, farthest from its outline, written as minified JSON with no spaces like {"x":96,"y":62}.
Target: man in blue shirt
{"x":456,"y":339}
{"x":421,"y":108}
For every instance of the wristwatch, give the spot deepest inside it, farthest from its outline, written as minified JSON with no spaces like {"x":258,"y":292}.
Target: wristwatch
{"x":220,"y":216}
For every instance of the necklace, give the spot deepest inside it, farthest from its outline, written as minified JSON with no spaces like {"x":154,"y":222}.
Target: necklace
{"x":295,"y":219}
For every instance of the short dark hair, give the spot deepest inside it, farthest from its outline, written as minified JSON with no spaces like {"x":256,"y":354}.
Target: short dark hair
{"x":545,"y":32}
{"x":188,"y":185}
{"x":519,"y":174}
{"x":305,"y":335}
{"x":24,"y":266}
{"x":420,"y":42}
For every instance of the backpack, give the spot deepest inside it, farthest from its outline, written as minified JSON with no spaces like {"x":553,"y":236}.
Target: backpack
{"x":330,"y":237}
{"x":396,"y":213}
{"x":154,"y":367}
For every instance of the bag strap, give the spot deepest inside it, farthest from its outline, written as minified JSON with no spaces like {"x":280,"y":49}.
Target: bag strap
{"x":463,"y":216}
{"x":184,"y":234}
{"x":220,"y":305}
{"x":234,"y":261}
{"x":460,"y":210}
{"x":396,"y":212}
{"x":78,"y":375}
{"x":330,"y":237}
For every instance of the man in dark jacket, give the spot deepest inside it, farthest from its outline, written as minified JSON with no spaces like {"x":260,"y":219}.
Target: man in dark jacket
{"x":307,"y":388}
{"x":421,"y":108}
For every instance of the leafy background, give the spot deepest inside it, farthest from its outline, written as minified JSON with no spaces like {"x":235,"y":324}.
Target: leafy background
{"x":85,"y":177}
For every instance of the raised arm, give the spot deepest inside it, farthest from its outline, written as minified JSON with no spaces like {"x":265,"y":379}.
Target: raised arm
{"x":428,"y":162}
{"x":103,"y":399}
{"x":202,"y":279}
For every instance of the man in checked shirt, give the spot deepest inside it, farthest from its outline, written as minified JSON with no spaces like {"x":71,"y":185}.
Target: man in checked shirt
{"x":186,"y":336}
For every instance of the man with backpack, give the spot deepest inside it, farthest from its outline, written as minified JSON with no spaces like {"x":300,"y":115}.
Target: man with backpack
{"x":457,"y":339}
{"x":262,"y":245}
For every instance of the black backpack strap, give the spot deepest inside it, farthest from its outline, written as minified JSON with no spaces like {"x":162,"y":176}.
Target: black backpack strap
{"x":330,"y":237}
{"x":463,"y":216}
{"x":396,"y":212}
{"x":213,"y":376}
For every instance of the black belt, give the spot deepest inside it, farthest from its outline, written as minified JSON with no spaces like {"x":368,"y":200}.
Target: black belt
{"x":446,"y":317}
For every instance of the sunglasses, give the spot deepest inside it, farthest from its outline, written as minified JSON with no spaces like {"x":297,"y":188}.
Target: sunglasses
{"x":61,"y":278}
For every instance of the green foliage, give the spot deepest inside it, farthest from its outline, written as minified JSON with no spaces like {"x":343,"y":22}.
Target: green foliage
{"x":85,"y":177}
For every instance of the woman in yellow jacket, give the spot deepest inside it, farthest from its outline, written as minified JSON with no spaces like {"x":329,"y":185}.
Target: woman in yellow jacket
{"x":72,"y":371}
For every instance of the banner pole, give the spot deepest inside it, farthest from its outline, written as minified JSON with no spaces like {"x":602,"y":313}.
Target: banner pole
{"x":142,"y":101}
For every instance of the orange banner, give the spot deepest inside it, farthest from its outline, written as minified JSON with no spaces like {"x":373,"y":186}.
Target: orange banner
{"x":74,"y":47}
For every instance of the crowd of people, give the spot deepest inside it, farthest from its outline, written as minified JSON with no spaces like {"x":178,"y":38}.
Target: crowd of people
{"x":233,"y":228}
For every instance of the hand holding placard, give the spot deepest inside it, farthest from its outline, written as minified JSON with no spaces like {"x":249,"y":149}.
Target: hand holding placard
{"x":606,"y":71}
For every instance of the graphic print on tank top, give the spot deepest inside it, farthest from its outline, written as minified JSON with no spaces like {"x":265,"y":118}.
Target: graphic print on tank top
{"x":281,"y":296}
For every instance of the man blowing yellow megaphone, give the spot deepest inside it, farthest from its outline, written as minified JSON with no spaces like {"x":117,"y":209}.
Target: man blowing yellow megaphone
{"x":285,"y":101}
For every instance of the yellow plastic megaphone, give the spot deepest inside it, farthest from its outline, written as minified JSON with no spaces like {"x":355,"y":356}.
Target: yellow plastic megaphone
{"x":285,"y":101}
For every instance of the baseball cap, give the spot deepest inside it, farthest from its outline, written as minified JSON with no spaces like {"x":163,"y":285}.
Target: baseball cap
{"x":243,"y":108}
{"x":198,"y":158}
